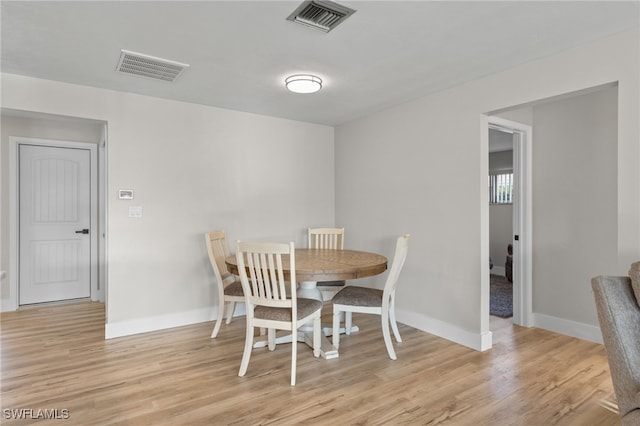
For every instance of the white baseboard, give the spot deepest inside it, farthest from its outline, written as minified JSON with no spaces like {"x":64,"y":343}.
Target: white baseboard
{"x":8,"y":305}
{"x":161,"y":322}
{"x":570,"y":328}
{"x":477,"y":341}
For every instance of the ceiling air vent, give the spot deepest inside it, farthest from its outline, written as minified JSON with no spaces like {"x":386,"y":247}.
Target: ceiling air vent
{"x":320,"y":14}
{"x":150,"y":66}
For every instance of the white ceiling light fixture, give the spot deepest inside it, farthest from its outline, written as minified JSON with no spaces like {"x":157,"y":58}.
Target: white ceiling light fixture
{"x":303,"y":83}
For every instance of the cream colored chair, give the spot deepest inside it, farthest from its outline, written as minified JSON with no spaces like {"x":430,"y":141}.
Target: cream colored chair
{"x":229,"y":287}
{"x":265,"y":286}
{"x":373,"y":301}
{"x":327,"y":238}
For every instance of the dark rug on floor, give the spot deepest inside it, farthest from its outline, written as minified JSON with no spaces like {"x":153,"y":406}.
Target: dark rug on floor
{"x":501,"y":297}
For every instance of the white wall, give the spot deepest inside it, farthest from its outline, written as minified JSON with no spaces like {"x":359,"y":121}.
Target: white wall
{"x":193,"y":169}
{"x":574,"y":203}
{"x":421,"y":168}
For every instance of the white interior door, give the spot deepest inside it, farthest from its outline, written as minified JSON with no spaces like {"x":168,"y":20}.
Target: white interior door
{"x":55,"y":223}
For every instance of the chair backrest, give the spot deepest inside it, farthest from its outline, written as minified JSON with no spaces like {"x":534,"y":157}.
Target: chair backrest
{"x":261,"y":267}
{"x":326,"y":238}
{"x":402,"y":247}
{"x":218,"y":250}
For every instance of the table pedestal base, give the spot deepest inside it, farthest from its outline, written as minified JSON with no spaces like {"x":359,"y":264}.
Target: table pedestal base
{"x":308,"y":290}
{"x":305,"y":335}
{"x":328,"y":331}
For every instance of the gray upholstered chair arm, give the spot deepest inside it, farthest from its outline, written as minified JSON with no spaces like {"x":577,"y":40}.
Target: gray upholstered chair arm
{"x":619,"y":317}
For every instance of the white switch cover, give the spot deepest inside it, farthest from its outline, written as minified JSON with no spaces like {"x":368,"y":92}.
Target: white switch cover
{"x":135,"y":211}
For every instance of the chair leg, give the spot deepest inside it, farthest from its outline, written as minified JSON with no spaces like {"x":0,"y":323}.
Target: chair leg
{"x":387,"y":335}
{"x":336,"y":327}
{"x":294,"y":356}
{"x":248,"y":346}
{"x":348,"y":322}
{"x":231,"y":307}
{"x":317,"y":329}
{"x":271,"y":339}
{"x":394,"y":324}
{"x":216,"y":327}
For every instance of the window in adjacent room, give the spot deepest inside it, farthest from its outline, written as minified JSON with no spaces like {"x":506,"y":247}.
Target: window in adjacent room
{"x":501,"y":188}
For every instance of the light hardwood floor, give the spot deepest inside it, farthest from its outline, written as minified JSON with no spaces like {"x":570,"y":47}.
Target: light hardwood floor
{"x":55,"y":357}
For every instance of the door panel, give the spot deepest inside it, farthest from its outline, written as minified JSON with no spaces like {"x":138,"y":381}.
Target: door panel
{"x":55,"y":206}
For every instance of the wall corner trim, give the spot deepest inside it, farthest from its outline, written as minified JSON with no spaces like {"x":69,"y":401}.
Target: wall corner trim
{"x":478,"y":341}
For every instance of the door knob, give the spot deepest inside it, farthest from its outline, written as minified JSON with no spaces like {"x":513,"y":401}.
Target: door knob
{"x":82,"y":231}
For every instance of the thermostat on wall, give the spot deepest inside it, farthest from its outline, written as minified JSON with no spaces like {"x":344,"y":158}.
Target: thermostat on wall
{"x":125,"y":194}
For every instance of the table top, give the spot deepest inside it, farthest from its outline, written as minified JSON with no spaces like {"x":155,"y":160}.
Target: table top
{"x":329,"y":264}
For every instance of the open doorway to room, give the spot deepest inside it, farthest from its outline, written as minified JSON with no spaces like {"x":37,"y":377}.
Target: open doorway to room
{"x":576,"y":183}
{"x":501,"y":222}
{"x":42,"y":148}
{"x":510,"y":217}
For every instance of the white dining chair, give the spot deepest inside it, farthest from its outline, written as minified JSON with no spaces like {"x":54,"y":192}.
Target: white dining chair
{"x":265,"y":286}
{"x":327,"y":238}
{"x":229,"y":286}
{"x":368,"y":300}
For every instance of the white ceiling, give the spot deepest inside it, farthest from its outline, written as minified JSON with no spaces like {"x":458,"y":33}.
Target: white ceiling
{"x":387,"y":53}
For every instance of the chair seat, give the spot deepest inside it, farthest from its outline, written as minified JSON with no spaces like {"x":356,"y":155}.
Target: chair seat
{"x":234,"y":289}
{"x":305,"y":308}
{"x":359,"y":296}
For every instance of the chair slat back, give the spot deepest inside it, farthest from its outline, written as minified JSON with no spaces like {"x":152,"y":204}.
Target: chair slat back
{"x":326,"y":238}
{"x":218,"y":250}
{"x":261,"y":270}
{"x":402,"y":248}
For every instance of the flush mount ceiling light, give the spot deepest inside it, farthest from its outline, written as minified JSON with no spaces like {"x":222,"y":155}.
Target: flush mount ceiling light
{"x":303,"y":83}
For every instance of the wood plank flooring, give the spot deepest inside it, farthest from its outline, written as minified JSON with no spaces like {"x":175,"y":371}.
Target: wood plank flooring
{"x":56,"y":358}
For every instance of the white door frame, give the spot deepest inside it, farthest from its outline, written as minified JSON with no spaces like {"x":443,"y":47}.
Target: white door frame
{"x":522,"y":217}
{"x":102,"y":217}
{"x":11,"y":303}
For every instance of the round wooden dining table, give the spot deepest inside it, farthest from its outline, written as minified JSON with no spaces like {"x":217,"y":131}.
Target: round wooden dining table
{"x":313,"y":265}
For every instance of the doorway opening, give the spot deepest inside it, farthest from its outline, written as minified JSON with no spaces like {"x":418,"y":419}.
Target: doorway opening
{"x":510,"y":213}
{"x":501,"y":223}
{"x":47,"y":137}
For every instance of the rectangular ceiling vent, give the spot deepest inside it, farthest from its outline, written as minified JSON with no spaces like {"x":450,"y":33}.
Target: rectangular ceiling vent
{"x":150,"y":66}
{"x":322,"y":15}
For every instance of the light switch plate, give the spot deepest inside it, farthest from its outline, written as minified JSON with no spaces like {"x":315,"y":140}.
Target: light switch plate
{"x":135,"y":211}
